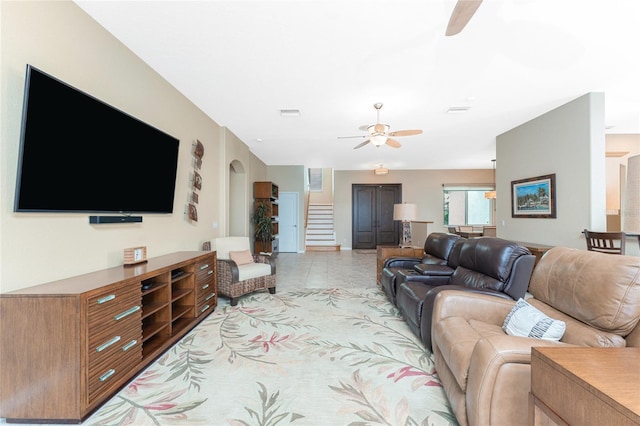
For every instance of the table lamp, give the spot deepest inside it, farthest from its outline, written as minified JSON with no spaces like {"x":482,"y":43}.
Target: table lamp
{"x":406,"y":213}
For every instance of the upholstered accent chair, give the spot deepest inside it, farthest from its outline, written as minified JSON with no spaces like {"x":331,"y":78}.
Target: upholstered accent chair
{"x":239,"y":271}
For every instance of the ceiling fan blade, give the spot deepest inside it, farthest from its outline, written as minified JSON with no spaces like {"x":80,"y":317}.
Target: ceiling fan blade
{"x":393,"y":143}
{"x":462,"y":13}
{"x":364,"y":127}
{"x":405,"y":132}
{"x":351,"y":137}
{"x":361,"y":144}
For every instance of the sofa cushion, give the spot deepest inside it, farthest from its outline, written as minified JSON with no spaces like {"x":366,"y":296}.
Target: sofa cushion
{"x":242,"y":257}
{"x":253,"y":270}
{"x":601,"y":290}
{"x":456,"y":338}
{"x":486,"y":263}
{"x":437,"y":247}
{"x":578,"y":332}
{"x":223,"y":245}
{"x":526,"y":321}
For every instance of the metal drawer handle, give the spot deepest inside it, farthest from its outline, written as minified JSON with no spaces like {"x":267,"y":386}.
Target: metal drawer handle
{"x":210,"y":272}
{"x":106,"y":299}
{"x":108,"y":343}
{"x":204,"y":266}
{"x":108,"y":374}
{"x":204,"y":308}
{"x":209,"y":297}
{"x":127,"y":313}
{"x":205,"y":286}
{"x":129,"y":345}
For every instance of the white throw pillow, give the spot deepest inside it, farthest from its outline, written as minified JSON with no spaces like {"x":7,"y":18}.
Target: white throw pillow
{"x":527,"y":321}
{"x":241,"y":257}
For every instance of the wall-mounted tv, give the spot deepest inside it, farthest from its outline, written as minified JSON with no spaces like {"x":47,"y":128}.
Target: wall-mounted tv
{"x":78,"y":154}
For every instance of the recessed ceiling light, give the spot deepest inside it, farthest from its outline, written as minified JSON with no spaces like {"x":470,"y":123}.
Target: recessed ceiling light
{"x":458,"y":109}
{"x":259,"y":140}
{"x":290,"y":112}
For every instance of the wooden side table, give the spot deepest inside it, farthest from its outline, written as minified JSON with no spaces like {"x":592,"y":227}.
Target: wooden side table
{"x":384,"y":252}
{"x":538,"y":250}
{"x":584,"y":386}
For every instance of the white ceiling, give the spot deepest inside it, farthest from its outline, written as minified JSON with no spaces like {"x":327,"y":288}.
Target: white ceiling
{"x":242,"y":61}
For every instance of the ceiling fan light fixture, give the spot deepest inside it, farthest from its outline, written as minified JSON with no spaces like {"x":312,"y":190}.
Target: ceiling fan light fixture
{"x":378,"y":139}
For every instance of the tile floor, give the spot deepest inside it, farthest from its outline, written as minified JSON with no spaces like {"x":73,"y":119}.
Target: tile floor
{"x":344,"y":269}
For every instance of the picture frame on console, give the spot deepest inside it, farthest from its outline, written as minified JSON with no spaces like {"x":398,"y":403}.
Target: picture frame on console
{"x":534,"y":197}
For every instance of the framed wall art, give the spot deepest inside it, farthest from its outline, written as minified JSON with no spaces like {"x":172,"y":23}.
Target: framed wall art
{"x":534,"y":197}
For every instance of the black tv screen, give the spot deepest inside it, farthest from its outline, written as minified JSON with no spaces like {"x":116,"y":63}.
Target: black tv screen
{"x":78,"y":154}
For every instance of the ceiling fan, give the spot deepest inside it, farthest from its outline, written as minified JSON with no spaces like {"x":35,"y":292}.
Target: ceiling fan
{"x":462,"y":13}
{"x":378,"y":134}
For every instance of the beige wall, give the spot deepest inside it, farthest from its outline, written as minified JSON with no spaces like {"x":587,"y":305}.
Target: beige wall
{"x":422,"y":187}
{"x":568,"y":141}
{"x":326,"y":195}
{"x":59,"y":38}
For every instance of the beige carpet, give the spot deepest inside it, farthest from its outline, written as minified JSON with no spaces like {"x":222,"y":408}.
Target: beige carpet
{"x":303,"y":357}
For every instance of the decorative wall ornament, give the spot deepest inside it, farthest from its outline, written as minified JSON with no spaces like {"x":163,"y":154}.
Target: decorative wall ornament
{"x":197,"y":180}
{"x":196,"y":185}
{"x":198,"y":153}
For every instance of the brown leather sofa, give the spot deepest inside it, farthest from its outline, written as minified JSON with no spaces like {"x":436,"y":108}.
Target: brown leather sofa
{"x":437,"y":247}
{"x":486,"y":373}
{"x":487,"y":265}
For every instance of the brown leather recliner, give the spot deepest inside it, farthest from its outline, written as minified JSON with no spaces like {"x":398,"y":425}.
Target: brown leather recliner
{"x":488,"y":265}
{"x":437,"y":248}
{"x":486,"y":373}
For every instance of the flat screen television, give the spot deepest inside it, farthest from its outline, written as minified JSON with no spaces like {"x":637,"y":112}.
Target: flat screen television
{"x":78,"y":154}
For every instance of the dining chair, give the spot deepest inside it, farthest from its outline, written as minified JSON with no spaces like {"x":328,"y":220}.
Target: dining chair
{"x":489,"y":231}
{"x":605,"y":242}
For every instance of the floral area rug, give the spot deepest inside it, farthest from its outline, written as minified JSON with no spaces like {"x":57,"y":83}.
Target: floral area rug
{"x":302,"y":357}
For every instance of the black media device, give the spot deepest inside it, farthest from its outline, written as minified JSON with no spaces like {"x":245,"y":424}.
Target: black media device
{"x":78,"y":154}
{"x":97,"y":220}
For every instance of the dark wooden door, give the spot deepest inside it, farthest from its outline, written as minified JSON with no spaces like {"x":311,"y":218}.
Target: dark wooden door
{"x":372,"y":215}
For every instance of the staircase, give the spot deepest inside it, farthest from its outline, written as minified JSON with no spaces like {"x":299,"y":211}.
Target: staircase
{"x":320,"y":234}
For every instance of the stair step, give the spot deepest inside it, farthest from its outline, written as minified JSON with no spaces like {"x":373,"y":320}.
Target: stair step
{"x":320,"y":233}
{"x":335,"y":247}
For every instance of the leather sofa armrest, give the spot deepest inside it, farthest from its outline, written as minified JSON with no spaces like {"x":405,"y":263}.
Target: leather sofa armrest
{"x":429,"y":302}
{"x":265,"y":258}
{"x":434,"y":270}
{"x":228,"y":267}
{"x":401,"y":262}
{"x":500,"y":370}
{"x":521,"y":275}
{"x":481,"y":307}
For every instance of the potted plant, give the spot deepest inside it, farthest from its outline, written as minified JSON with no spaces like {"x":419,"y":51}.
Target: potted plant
{"x":263,"y":225}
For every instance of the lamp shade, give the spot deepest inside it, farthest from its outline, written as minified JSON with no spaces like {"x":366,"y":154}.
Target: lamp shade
{"x":381,"y":170}
{"x":631,"y":199}
{"x":405,"y":212}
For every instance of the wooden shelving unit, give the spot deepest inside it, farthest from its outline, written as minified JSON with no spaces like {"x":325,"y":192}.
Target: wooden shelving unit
{"x":267,"y":193}
{"x":69,"y":345}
